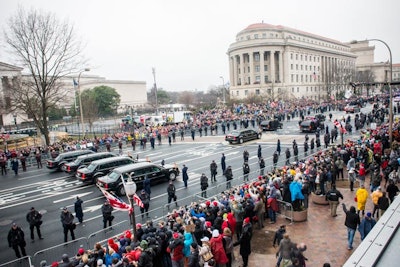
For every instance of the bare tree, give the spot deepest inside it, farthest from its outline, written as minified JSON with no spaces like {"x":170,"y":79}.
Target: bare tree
{"x":49,"y":50}
{"x":187,"y":98}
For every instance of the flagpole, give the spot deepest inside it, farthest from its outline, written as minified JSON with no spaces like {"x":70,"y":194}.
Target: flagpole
{"x":130,"y":191}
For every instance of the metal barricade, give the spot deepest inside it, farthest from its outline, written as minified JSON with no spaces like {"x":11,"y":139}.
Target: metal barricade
{"x":105,"y":234}
{"x":55,"y":253}
{"x":286,"y":210}
{"x":21,"y":262}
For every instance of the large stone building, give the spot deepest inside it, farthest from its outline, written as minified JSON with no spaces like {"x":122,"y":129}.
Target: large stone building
{"x":278,"y":62}
{"x":133,"y":93}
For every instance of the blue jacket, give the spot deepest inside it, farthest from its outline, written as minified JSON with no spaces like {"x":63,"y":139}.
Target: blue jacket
{"x":365,"y":226}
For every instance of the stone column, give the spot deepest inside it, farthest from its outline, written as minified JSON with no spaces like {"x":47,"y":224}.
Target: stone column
{"x":234,"y":64}
{"x":251,"y":67}
{"x":241,"y":66}
{"x":262,"y":72}
{"x":272,"y":63}
{"x":280,"y":65}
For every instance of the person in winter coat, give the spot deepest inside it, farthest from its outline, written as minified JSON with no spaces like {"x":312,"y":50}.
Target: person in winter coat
{"x":246,"y":171}
{"x":217,"y":248}
{"x":213,"y":170}
{"x":147,"y":185}
{"x":366,"y":225}
{"x":67,"y":220}
{"x":275,"y":158}
{"x":278,"y":147}
{"x":171,"y":193}
{"x":194,"y":258}
{"x":16,"y":240}
{"x":228,"y":245}
{"x":145,"y":198}
{"x":106,"y":210}
{"x":187,"y":242}
{"x":351,"y":222}
{"x":185,"y":176}
{"x":383,"y":203}
{"x":175,"y":248}
{"x":362,"y":196}
{"x":286,"y":246}
{"x":245,"y":241}
{"x":34,"y":218}
{"x":203,"y":185}
{"x":78,"y":209}
{"x":204,"y":251}
{"x":229,"y":176}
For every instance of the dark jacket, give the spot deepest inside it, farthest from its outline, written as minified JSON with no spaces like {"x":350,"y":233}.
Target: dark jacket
{"x":352,"y":218}
{"x":33,"y":217}
{"x":107,"y":211}
{"x":16,"y":237}
{"x":67,"y":218}
{"x":194,"y":259}
{"x":245,"y":239}
{"x":333,"y":195}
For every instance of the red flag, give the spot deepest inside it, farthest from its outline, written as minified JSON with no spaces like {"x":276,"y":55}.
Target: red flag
{"x":116,"y":202}
{"x":138,"y":201}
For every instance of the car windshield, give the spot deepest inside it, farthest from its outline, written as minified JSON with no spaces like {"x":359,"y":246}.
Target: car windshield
{"x":77,"y":161}
{"x":92,"y":167}
{"x":235,"y":133}
{"x":58,"y":158}
{"x":113,"y":176}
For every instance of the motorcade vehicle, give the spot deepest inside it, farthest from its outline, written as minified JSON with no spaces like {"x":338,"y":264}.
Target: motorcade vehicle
{"x":352,"y":109}
{"x":271,"y":125}
{"x":138,"y":171}
{"x":241,"y":136}
{"x":101,"y":167}
{"x":84,"y":161}
{"x":63,"y":158}
{"x":311,"y":125}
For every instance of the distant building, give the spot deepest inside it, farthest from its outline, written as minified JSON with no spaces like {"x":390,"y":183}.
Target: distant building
{"x":278,"y":62}
{"x":133,"y":93}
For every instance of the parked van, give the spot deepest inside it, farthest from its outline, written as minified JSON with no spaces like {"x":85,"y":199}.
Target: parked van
{"x":156,"y":173}
{"x":101,"y":167}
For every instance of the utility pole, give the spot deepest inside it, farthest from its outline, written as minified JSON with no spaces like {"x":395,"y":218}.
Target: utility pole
{"x":155,"y":89}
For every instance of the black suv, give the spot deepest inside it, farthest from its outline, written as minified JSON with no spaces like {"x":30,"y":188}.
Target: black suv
{"x":63,"y":158}
{"x":85,"y":160}
{"x":138,"y":171}
{"x":100,"y":168}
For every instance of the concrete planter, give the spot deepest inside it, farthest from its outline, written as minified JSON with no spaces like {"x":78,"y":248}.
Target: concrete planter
{"x":319,"y":199}
{"x":300,"y":216}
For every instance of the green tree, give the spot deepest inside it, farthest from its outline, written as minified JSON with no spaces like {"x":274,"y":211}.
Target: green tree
{"x":49,"y":51}
{"x":107,"y":100}
{"x":90,"y":107}
{"x":56,"y":113}
{"x":163,"y":97}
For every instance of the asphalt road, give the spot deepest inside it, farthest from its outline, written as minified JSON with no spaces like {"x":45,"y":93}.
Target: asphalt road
{"x":49,"y":191}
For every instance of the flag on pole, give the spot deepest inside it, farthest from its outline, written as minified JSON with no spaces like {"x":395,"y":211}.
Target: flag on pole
{"x":138,"y":201}
{"x":116,"y":202}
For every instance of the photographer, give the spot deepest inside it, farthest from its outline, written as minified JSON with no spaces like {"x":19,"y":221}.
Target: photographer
{"x":107,"y":209}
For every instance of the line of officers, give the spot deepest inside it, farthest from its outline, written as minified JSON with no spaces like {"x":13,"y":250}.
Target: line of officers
{"x":16,"y":235}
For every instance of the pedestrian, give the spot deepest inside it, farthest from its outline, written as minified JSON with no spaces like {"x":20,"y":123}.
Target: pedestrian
{"x":203,"y":185}
{"x":278,"y":147}
{"x":261,"y":162}
{"x":145,"y":198}
{"x":106,"y":210}
{"x":193,"y":132}
{"x":16,"y":240}
{"x":78,"y":209}
{"x":194,"y":258}
{"x":133,"y":143}
{"x":14,"y":165}
{"x":223,"y":164}
{"x":213,"y":170}
{"x":352,"y":178}
{"x":259,"y":153}
{"x":279,"y":235}
{"x":171,"y":190}
{"x":22,"y":158}
{"x":246,"y":171}
{"x":361,"y":199}
{"x":352,"y":221}
{"x":185,"y":176}
{"x":120,"y":147}
{"x":3,"y":164}
{"x":287,"y":152}
{"x":333,"y":196}
{"x":229,"y":176}
{"x":275,"y":158}
{"x":34,"y":218}
{"x":67,"y":220}
{"x":392,"y":190}
{"x":366,"y":225}
{"x":217,"y":248}
{"x":245,"y":155}
{"x":147,"y":185}
{"x":38,"y":156}
{"x":375,"y":197}
{"x":383,"y":203}
{"x":228,"y":245}
{"x":245,"y":241}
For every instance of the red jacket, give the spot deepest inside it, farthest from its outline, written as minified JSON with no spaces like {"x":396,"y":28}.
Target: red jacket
{"x":217,"y":249}
{"x":272,"y":203}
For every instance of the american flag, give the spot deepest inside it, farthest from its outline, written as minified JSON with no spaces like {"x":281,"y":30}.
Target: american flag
{"x":116,"y":202}
{"x":340,"y":126}
{"x":138,"y":201}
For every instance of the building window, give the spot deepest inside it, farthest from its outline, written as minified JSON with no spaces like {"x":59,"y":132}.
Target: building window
{"x":301,"y":67}
{"x":307,"y":89}
{"x":279,"y":90}
{"x":265,"y":67}
{"x":301,"y":78}
{"x":257,"y":79}
{"x":256,"y":57}
{"x":305,"y":66}
{"x":305,"y":57}
{"x":306,"y":78}
{"x":291,"y":66}
{"x":297,"y":56}
{"x":266,"y":79}
{"x":297,"y":78}
{"x":237,"y":93}
{"x":292,"y":77}
{"x":297,"y":66}
{"x":246,"y":92}
{"x":292,"y":89}
{"x":239,"y":82}
{"x":257,"y":91}
{"x":255,"y":36}
{"x":291,"y":55}
{"x":264,"y":35}
{"x":314,"y":59}
{"x":248,"y":37}
{"x":297,"y":89}
{"x":301,"y":57}
{"x":310,"y":58}
{"x":257,"y":68}
{"x":248,"y":80}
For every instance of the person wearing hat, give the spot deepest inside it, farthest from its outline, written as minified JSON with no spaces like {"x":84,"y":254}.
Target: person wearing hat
{"x":175,"y":247}
{"x":217,"y":248}
{"x":352,"y":178}
{"x":67,"y":220}
{"x":193,"y":259}
{"x":333,"y":196}
{"x":213,"y":170}
{"x":361,"y":198}
{"x":34,"y":218}
{"x":205,"y":252}
{"x":145,"y":198}
{"x":229,"y":176}
{"x":366,"y":225}
{"x":78,"y":209}
{"x":185,"y":176}
{"x":107,"y":210}
{"x":375,"y":195}
{"x":204,"y":185}
{"x":16,"y":240}
{"x":245,"y":241}
{"x":171,"y":190}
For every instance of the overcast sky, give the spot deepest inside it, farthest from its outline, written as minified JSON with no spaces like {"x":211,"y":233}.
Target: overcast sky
{"x":186,"y":41}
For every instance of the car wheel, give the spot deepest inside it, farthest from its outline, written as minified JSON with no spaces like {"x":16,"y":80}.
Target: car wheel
{"x":121,"y":190}
{"x":241,"y":141}
{"x":172,"y":176}
{"x":258,"y":136}
{"x":94,"y":181}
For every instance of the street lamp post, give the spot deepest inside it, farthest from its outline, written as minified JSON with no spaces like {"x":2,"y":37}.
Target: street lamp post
{"x":80,"y":100}
{"x":223,"y":89}
{"x":130,"y":189}
{"x":15,"y":120}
